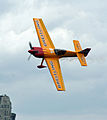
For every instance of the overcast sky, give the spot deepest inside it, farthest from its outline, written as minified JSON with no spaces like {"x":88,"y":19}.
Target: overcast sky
{"x":32,"y":91}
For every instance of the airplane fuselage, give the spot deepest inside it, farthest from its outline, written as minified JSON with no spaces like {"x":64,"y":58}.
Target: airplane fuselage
{"x":51,"y":53}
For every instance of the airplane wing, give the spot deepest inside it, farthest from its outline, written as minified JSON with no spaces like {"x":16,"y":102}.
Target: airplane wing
{"x":44,"y":38}
{"x":55,"y":70}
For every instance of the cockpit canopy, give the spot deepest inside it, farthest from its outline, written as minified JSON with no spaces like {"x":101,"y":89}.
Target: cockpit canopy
{"x":59,"y":52}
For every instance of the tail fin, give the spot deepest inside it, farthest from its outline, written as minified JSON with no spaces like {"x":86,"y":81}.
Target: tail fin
{"x":85,"y":51}
{"x":81,"y":54}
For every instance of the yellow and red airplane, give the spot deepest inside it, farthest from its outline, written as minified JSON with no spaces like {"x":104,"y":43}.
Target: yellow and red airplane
{"x":51,"y":55}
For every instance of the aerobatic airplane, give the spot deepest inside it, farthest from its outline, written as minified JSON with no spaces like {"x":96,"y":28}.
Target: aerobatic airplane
{"x":51,"y":55}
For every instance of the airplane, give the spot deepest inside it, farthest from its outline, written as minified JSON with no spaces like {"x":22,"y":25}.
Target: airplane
{"x":51,"y":55}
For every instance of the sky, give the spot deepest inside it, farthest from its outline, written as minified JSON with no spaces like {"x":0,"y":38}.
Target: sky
{"x":31,"y":90}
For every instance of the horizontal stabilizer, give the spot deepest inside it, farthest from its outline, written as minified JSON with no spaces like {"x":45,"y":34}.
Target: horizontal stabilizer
{"x":81,"y":54}
{"x":82,"y":59}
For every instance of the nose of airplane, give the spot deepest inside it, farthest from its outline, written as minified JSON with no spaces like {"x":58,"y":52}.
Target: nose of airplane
{"x":30,"y":51}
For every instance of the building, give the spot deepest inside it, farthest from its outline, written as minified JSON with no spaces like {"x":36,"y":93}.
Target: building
{"x":5,"y":109}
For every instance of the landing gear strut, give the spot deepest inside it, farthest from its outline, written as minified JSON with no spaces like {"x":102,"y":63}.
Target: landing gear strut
{"x":41,"y":66}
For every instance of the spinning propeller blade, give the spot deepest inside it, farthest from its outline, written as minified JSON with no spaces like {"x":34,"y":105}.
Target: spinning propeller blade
{"x":30,"y":45}
{"x":29,"y":57}
{"x":31,"y":49}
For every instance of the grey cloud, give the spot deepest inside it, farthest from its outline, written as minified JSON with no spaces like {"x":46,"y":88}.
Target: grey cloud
{"x":32,"y":91}
{"x":5,"y":6}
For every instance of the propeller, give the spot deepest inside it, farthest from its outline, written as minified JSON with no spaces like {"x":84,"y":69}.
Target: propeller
{"x":31,"y":49}
{"x":29,"y":57}
{"x":30,"y":45}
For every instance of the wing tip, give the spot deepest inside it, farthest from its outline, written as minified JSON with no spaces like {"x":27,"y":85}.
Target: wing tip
{"x":37,"y":18}
{"x":62,"y":89}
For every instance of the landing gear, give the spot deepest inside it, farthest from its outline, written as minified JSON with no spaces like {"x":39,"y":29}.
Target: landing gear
{"x":41,"y":66}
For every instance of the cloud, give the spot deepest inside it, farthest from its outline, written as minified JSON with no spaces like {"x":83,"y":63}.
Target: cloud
{"x":32,"y":91}
{"x":68,"y":117}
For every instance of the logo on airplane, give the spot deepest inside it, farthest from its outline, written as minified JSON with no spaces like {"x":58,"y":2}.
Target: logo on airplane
{"x":78,"y":46}
{"x":41,"y":33}
{"x":55,"y":74}
{"x":83,"y":59}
